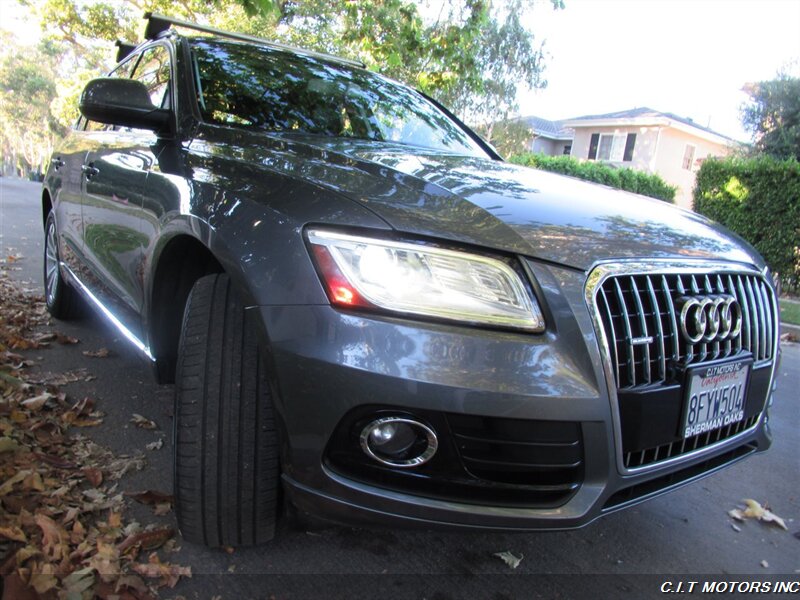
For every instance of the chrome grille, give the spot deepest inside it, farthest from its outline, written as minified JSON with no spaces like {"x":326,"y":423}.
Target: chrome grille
{"x":640,"y":320}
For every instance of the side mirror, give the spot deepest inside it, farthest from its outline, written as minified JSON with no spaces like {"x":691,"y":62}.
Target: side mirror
{"x":124,"y":102}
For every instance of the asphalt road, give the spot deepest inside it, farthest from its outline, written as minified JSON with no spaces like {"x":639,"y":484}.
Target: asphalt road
{"x":683,"y":535}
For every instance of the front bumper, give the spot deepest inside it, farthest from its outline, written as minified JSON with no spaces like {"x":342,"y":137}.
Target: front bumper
{"x":328,"y":363}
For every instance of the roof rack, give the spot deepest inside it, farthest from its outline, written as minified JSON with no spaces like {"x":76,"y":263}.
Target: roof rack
{"x":158,"y":24}
{"x":123,"y":49}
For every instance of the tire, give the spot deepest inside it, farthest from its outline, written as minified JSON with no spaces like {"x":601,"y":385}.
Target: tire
{"x":226,"y":446}
{"x":63,"y":301}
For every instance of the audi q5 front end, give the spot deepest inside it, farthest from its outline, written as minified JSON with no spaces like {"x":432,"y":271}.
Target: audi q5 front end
{"x":360,"y":304}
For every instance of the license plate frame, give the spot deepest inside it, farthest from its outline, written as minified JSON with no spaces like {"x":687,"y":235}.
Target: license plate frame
{"x":714,"y":396}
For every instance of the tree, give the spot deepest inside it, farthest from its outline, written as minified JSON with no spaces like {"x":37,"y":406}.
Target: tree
{"x":509,"y":136}
{"x":28,"y":130}
{"x":773,"y":116}
{"x":473,"y":57}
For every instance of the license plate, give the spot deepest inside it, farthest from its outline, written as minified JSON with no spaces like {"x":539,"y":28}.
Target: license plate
{"x":715,"y":397}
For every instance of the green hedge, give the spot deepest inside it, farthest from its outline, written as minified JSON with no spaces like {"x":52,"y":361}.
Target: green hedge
{"x":627,"y":179}
{"x":758,"y":198}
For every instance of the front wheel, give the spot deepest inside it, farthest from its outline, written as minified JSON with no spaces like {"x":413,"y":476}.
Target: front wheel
{"x":226,"y":446}
{"x":63,"y":302}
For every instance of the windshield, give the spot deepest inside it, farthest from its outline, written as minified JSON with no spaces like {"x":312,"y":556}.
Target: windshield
{"x":256,"y":87}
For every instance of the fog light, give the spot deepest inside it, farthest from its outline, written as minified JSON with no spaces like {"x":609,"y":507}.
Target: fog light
{"x":399,"y":442}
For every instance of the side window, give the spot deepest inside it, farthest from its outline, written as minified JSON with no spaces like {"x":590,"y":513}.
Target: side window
{"x":153,"y":72}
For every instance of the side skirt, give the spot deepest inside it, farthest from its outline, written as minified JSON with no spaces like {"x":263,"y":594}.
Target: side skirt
{"x":137,"y":343}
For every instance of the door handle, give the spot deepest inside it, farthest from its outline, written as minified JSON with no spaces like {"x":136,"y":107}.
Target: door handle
{"x":57,"y":163}
{"x":90,"y":170}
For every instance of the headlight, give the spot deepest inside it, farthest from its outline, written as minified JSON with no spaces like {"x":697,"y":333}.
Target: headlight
{"x":422,"y":280}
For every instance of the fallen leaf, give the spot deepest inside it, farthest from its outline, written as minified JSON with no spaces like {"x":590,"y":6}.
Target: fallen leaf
{"x":24,"y":554}
{"x":94,"y":495}
{"x":55,"y":461}
{"x":169,"y":574}
{"x":754,"y":510}
{"x":133,"y":582}
{"x":14,"y":381}
{"x":153,"y":498}
{"x":33,"y":482}
{"x":115,"y":519}
{"x":106,"y":561}
{"x":8,"y":444}
{"x":53,"y":538}
{"x":147,"y":540}
{"x":9,"y":484}
{"x":155,"y":445}
{"x":66,"y":339}
{"x":36,"y":403}
{"x":143,"y":422}
{"x":77,"y":533}
{"x":162,"y":508}
{"x":509,"y":558}
{"x":735,"y":527}
{"x":86,"y":422}
{"x":61,"y":378}
{"x":101,"y":353}
{"x":736,"y":513}
{"x":93,"y":475}
{"x":43,"y":579}
{"x":78,"y":582}
{"x":13,"y":533}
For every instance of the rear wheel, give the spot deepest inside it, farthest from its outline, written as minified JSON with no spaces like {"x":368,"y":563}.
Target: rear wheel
{"x":226,"y":447}
{"x":63,"y":302}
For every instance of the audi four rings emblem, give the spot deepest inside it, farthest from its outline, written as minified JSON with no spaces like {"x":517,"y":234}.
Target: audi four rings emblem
{"x":710,"y":318}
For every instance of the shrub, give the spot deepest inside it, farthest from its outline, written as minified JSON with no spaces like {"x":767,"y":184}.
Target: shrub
{"x":758,"y":198}
{"x":626,"y":179}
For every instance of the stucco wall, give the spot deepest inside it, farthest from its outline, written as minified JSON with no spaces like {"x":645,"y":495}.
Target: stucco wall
{"x":669,"y":161}
{"x":643,"y":150}
{"x":543,"y":145}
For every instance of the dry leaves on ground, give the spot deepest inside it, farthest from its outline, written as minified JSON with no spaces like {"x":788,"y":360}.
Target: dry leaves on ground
{"x":161,"y":502}
{"x":143,"y":422}
{"x":511,"y":559}
{"x":62,"y":527}
{"x":753,"y":510}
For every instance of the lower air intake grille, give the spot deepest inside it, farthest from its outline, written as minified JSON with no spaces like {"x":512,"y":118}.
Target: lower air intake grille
{"x":665,"y":451}
{"x":544,"y":456}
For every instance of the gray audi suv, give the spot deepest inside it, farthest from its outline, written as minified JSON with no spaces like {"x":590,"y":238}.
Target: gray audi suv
{"x":368,"y":315}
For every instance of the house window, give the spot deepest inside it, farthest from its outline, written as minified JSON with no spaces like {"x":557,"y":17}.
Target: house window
{"x":616,"y":147}
{"x":611,"y":147}
{"x":688,"y":157}
{"x":567,"y":149}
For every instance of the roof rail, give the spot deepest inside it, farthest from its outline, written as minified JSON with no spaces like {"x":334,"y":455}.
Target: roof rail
{"x":158,"y":24}
{"x":123,"y":49}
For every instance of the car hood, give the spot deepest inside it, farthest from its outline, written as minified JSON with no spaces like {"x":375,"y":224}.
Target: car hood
{"x":500,"y":205}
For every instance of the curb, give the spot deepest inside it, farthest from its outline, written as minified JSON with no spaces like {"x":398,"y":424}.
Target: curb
{"x":792,"y":329}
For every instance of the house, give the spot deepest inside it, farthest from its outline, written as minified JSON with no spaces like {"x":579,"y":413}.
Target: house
{"x":549,"y":137}
{"x":648,"y":140}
